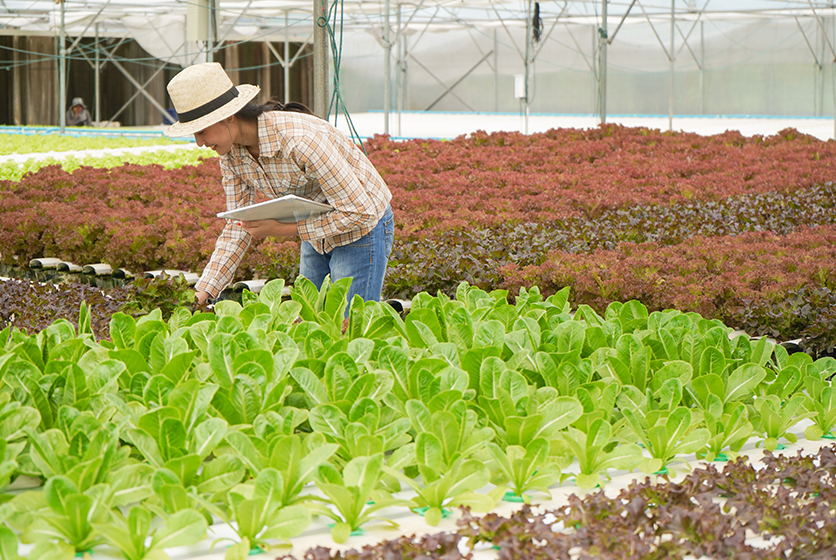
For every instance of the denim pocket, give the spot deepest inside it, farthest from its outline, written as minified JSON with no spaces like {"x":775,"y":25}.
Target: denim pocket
{"x":365,"y":241}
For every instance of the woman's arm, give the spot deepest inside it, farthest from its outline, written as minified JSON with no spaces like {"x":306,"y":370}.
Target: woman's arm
{"x":233,"y":241}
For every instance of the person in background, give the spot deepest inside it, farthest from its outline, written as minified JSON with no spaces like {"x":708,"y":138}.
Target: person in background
{"x":278,"y":150}
{"x":78,"y":115}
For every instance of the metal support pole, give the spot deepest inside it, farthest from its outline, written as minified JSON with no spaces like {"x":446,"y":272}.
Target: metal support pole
{"x":97,"y":95}
{"x":702,"y":67}
{"x":286,"y":65}
{"x":399,"y":76}
{"x":320,"y":59}
{"x":187,"y":43}
{"x":528,"y":32}
{"x":17,"y":92}
{"x":387,"y":74}
{"x":405,"y":73}
{"x":823,"y":34}
{"x":495,"y":71}
{"x":209,"y":57}
{"x":602,"y":65}
{"x":672,"y":57}
{"x":62,"y":75}
{"x":266,"y":70}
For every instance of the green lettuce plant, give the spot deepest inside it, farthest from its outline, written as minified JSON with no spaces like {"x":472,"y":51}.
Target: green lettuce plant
{"x":428,"y":379}
{"x":185,"y":463}
{"x":326,"y":306}
{"x":137,"y":537}
{"x":363,"y":432}
{"x":37,"y":143}
{"x":598,"y":400}
{"x":354,"y":494}
{"x":44,"y":550}
{"x":525,"y":469}
{"x":344,"y":380}
{"x":774,"y":418}
{"x":565,"y":372}
{"x":596,"y":452}
{"x":729,"y":432}
{"x":666,"y":434}
{"x":296,"y":460}
{"x":446,"y":435}
{"x":822,"y":405}
{"x":15,"y":422}
{"x":259,"y":515}
{"x":259,"y":384}
{"x":64,"y":514}
{"x":454,"y":486}
{"x":714,"y":392}
{"x":255,"y":446}
{"x":88,"y":458}
{"x":371,"y":320}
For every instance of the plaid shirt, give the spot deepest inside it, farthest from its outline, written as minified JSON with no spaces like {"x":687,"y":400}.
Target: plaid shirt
{"x":306,"y":156}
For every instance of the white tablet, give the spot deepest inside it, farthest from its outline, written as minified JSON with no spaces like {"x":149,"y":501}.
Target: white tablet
{"x":289,"y":208}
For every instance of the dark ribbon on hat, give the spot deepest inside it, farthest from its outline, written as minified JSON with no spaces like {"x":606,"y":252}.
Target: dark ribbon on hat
{"x":207,"y":108}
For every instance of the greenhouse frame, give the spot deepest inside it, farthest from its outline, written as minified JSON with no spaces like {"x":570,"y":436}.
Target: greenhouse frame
{"x":718,"y":57}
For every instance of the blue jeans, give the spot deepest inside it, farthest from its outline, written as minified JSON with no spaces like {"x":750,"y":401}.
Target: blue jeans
{"x":364,"y":261}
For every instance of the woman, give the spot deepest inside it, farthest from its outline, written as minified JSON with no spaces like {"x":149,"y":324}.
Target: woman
{"x":277,"y":151}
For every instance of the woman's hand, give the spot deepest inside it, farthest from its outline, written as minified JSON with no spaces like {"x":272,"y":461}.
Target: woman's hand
{"x":269,"y":228}
{"x":201,"y":297}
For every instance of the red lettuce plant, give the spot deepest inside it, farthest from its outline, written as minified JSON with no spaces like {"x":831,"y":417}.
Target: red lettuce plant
{"x":717,"y":277}
{"x":614,"y":212}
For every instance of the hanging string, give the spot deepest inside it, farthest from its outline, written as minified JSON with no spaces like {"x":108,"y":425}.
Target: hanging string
{"x":336,"y":12}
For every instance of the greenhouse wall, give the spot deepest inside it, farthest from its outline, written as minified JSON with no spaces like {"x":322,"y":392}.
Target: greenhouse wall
{"x":761,"y":66}
{"x":733,"y":63}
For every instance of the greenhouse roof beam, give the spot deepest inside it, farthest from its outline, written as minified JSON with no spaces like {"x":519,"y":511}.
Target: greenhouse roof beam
{"x":686,"y":37}
{"x":293,"y":60}
{"x":670,"y":54}
{"x":587,"y":59}
{"x":686,"y":45}
{"x":611,"y":38}
{"x":37,"y":17}
{"x":450,"y":89}
{"x":87,"y":27}
{"x":823,"y":31}
{"x":819,"y":63}
{"x":234,"y":22}
{"x":427,"y":25}
{"x":136,"y":84}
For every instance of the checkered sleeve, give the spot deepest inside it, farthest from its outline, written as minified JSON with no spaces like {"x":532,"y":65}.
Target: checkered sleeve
{"x":354,"y":207}
{"x":233,"y":241}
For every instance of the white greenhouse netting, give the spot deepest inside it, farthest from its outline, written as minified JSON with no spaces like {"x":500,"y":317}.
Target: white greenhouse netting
{"x":758,"y":64}
{"x":687,"y":57}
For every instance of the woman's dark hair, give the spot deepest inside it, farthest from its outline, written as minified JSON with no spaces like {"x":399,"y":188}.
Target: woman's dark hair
{"x":251,"y":111}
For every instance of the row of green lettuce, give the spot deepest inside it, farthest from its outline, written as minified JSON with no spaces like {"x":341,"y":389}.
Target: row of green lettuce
{"x":267,"y":414}
{"x":26,"y":143}
{"x":14,"y":171}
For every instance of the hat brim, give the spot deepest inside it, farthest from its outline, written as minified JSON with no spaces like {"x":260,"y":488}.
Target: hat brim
{"x":246,"y":93}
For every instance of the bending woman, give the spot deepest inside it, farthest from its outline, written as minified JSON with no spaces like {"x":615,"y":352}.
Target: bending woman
{"x":277,"y":151}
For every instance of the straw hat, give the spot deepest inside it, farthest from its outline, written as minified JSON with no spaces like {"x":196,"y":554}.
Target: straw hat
{"x":202,"y":95}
